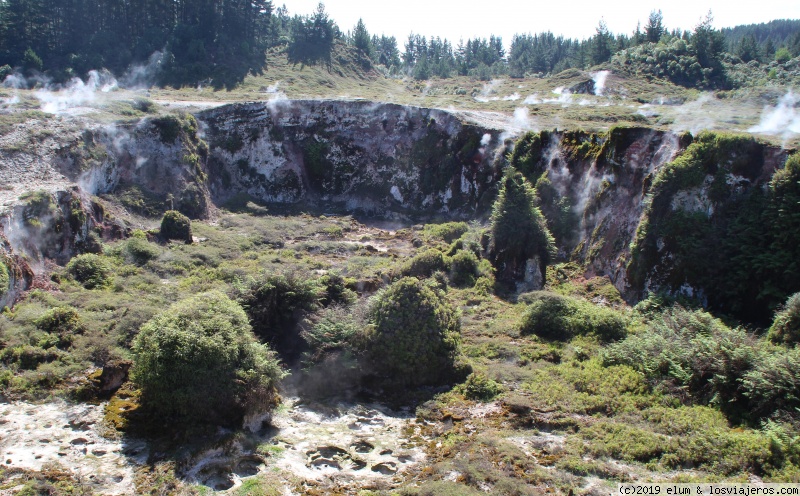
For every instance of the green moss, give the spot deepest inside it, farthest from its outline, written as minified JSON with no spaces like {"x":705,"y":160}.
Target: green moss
{"x":39,"y":206}
{"x":171,"y":127}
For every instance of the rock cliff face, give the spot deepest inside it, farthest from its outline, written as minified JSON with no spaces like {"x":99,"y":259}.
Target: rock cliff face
{"x":381,"y":159}
{"x":378,"y":158}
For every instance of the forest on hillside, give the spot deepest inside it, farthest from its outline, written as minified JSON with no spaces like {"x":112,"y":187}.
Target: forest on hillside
{"x":220,"y":42}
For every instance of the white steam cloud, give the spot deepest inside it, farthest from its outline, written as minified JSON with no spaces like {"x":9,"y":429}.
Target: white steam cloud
{"x":522,"y":119}
{"x":599,"y":79}
{"x":76,"y":93}
{"x":782,"y":120}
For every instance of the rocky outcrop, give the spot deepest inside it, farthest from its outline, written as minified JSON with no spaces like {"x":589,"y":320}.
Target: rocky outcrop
{"x":382,"y":159}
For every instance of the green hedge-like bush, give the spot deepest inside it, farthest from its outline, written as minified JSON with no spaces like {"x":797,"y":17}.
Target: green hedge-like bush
{"x":175,"y":225}
{"x":415,"y":336}
{"x":786,"y":326}
{"x":557,"y":317}
{"x":464,"y":268}
{"x":140,"y":251}
{"x":200,"y":362}
{"x":5,"y":279}
{"x":518,"y":230}
{"x":424,"y":264}
{"x":90,"y":270}
{"x":63,"y":323}
{"x":694,"y":353}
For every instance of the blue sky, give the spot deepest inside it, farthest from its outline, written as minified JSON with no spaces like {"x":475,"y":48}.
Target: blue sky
{"x":465,"y":19}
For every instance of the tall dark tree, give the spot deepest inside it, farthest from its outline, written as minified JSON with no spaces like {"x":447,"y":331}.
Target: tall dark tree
{"x":361,"y":39}
{"x":601,"y":44}
{"x":654,"y":29}
{"x":708,"y":43}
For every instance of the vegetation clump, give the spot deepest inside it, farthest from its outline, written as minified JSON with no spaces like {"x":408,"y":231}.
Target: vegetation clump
{"x":90,"y":270}
{"x":62,"y":324}
{"x":464,"y":268}
{"x":702,"y":360}
{"x":140,"y":251}
{"x":786,"y":326}
{"x":5,"y":279}
{"x":557,"y":317}
{"x":200,"y":362}
{"x":737,"y":243}
{"x":415,"y":335}
{"x":175,"y":225}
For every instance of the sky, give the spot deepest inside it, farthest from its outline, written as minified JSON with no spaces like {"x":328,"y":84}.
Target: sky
{"x":465,"y":19}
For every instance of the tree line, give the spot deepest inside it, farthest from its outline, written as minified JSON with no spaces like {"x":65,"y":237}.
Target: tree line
{"x":221,"y":41}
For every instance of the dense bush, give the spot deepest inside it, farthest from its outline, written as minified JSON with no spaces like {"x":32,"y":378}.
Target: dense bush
{"x":4,"y":279}
{"x":464,"y":268}
{"x":786,"y":326}
{"x":773,"y":383}
{"x":139,"y":251}
{"x":175,"y":225}
{"x":90,"y":270}
{"x":447,"y":232}
{"x":415,"y":335}
{"x":63,"y":324}
{"x":199,"y":361}
{"x":558,"y":317}
{"x":424,"y":264}
{"x":518,"y":229}
{"x":276,"y":303}
{"x":694,"y":354}
{"x":480,"y":387}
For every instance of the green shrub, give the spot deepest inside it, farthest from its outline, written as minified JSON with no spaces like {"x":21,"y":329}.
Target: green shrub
{"x":424,"y":264}
{"x":5,"y":279}
{"x":64,"y":323}
{"x":175,"y":225}
{"x":480,"y":387}
{"x":447,"y":232}
{"x":415,"y":335}
{"x":557,"y":317}
{"x":332,"y":328}
{"x":90,"y":270}
{"x":199,"y":361}
{"x":139,"y":251}
{"x":28,"y":357}
{"x":276,"y":303}
{"x":695,"y":355}
{"x":336,"y":290}
{"x":464,"y":268}
{"x":773,"y":383}
{"x":786,"y":326}
{"x":782,"y":55}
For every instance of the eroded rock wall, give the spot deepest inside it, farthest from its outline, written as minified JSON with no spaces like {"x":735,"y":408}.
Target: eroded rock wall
{"x":380,"y":158}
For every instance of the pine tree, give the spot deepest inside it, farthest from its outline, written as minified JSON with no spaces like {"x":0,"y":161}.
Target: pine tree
{"x":518,"y":229}
{"x":655,"y":29}
{"x":362,"y":40}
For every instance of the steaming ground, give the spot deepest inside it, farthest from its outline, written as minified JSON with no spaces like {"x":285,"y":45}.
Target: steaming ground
{"x":36,"y":436}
